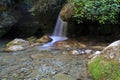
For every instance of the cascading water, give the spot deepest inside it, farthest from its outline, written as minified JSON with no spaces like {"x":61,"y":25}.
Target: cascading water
{"x":59,"y":33}
{"x":60,"y":28}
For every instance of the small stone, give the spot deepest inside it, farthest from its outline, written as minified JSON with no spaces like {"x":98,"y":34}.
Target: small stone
{"x":74,"y":52}
{"x":81,"y":51}
{"x":97,"y":52}
{"x":88,"y":51}
{"x":64,"y":52}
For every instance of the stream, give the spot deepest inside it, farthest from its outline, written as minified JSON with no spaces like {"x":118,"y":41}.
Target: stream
{"x":45,"y":63}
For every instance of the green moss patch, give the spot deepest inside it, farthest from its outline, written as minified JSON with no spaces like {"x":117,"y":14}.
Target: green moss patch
{"x":102,"y":69}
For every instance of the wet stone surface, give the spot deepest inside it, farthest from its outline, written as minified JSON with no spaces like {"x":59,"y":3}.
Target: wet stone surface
{"x":43,"y":64}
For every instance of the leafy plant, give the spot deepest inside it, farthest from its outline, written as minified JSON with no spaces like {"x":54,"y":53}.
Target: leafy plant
{"x":103,"y":11}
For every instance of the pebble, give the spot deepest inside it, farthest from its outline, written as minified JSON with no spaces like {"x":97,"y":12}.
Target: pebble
{"x":74,"y":52}
{"x":97,"y":53}
{"x":89,"y":51}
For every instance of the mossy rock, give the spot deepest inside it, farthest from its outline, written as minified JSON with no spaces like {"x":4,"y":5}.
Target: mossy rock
{"x":18,"y":42}
{"x":31,"y":39}
{"x":104,"y":69}
{"x":44,"y":39}
{"x":67,"y":11}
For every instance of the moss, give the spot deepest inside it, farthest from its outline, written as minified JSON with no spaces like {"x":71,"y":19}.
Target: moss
{"x":102,"y":69}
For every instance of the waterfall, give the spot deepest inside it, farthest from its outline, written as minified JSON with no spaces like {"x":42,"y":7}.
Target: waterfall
{"x":59,"y":33}
{"x":60,"y":28}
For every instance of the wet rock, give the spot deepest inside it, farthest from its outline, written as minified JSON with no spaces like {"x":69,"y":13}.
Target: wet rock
{"x":15,"y":48}
{"x":82,"y":45}
{"x":62,"y":44}
{"x":67,"y":11}
{"x":17,"y":44}
{"x":78,"y":51}
{"x":31,"y":39}
{"x":44,"y":39}
{"x":105,"y":62}
{"x":18,"y":41}
{"x":98,"y":47}
{"x":96,"y":54}
{"x":112,"y":51}
{"x":62,"y":76}
{"x":89,"y":51}
{"x":74,"y":52}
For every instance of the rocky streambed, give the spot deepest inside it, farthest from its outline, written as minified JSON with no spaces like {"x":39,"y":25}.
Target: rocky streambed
{"x":66,"y":60}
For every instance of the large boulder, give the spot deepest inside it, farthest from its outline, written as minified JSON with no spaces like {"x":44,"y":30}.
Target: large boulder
{"x":112,"y":51}
{"x":17,"y":44}
{"x":67,"y":11}
{"x":105,"y":66}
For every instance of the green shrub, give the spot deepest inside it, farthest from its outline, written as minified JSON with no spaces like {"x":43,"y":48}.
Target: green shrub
{"x":103,"y":11}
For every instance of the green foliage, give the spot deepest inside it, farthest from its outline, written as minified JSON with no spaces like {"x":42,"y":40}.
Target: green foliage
{"x":102,"y":69}
{"x":103,"y":11}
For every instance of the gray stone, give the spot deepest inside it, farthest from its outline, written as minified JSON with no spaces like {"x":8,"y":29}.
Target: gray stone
{"x":89,"y":51}
{"x":112,"y":51}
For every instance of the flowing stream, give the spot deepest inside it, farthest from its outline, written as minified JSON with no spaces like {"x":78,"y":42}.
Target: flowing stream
{"x":59,"y":33}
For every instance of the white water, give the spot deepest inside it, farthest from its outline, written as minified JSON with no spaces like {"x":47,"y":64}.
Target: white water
{"x":60,"y":28}
{"x":59,"y":33}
